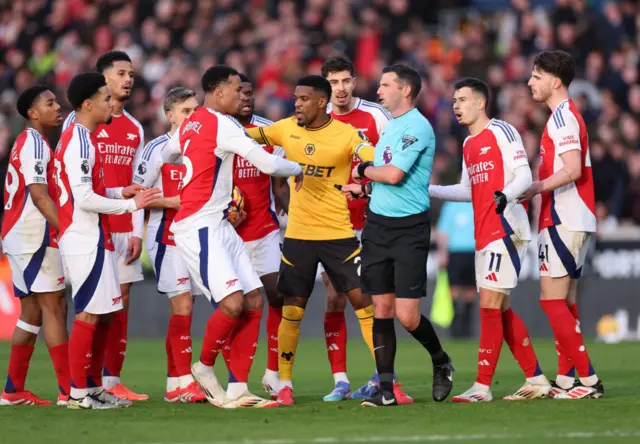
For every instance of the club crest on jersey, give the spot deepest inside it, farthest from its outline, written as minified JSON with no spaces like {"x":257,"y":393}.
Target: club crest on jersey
{"x":387,"y":156}
{"x":131,"y":136}
{"x":484,"y":150}
{"x":142,"y":168}
{"x":84,"y":166}
{"x":407,"y":141}
{"x":310,"y":149}
{"x":38,"y":167}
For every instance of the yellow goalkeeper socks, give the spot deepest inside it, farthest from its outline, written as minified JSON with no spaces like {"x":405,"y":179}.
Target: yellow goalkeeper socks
{"x":365,"y":317}
{"x":288,"y":337}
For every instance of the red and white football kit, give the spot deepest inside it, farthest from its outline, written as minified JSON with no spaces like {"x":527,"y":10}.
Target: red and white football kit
{"x":261,"y":229}
{"x":370,"y":118}
{"x":149,"y":171}
{"x":567,"y":215}
{"x":85,"y":238}
{"x":117,"y":144}
{"x":490,"y":161}
{"x":214,"y":253}
{"x":27,"y":239}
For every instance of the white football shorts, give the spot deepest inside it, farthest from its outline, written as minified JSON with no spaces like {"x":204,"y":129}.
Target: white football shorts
{"x":265,"y":253}
{"x":170,"y":270}
{"x":40,"y":272}
{"x":217,"y":261}
{"x":562,"y":252}
{"x":95,"y":287}
{"x":127,"y":273}
{"x":498,"y":264}
{"x":358,"y":235}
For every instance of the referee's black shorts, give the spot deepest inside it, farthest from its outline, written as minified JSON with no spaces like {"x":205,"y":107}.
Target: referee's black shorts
{"x":461,"y":269}
{"x":299,"y":266}
{"x":394,"y":255}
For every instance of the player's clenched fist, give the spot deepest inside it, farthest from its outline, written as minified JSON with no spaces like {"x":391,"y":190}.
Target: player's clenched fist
{"x":146,"y":197}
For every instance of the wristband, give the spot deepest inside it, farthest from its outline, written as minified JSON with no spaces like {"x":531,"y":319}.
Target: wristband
{"x":363,"y":166}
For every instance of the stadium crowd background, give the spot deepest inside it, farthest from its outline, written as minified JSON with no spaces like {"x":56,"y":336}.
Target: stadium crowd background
{"x":277,"y":41}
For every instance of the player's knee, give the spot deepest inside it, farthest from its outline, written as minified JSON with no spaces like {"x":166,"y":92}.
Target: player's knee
{"x":275,"y":299}
{"x":30,"y":311}
{"x":253,"y":300}
{"x":336,"y":302}
{"x":410,"y":319}
{"x":125,"y":290}
{"x":182,"y":305}
{"x":232,"y":305}
{"x":383,"y":308}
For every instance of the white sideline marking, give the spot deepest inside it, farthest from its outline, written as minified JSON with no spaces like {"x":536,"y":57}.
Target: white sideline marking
{"x":424,"y":438}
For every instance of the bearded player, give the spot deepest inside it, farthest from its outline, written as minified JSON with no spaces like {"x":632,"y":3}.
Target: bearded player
{"x":170,"y":270}
{"x":495,"y":171}
{"x":370,"y":118}
{"x":260,"y":230}
{"x":567,"y":220}
{"x":29,"y":229}
{"x":117,"y":144}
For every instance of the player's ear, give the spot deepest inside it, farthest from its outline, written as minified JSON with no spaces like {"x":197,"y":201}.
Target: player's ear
{"x":33,"y":114}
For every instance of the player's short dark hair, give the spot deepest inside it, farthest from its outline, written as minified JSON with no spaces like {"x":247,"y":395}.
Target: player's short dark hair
{"x":557,"y":63}
{"x":337,"y":64}
{"x":106,"y":60}
{"x":244,"y":78}
{"x":318,"y":83}
{"x":407,"y":75}
{"x":177,"y":96}
{"x":476,"y":85}
{"x":215,"y":76}
{"x":84,"y":86}
{"x":27,"y":98}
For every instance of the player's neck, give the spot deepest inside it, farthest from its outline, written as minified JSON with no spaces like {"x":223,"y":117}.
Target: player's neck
{"x":346,"y":109}
{"x":173,"y":129}
{"x":476,"y":127}
{"x":244,"y":121}
{"x":86,"y":121}
{"x":557,"y":99}
{"x":320,"y":121}
{"x":118,"y":107}
{"x":43,"y":131}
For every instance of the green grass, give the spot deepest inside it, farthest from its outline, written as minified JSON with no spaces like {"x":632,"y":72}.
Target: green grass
{"x":611,"y":419}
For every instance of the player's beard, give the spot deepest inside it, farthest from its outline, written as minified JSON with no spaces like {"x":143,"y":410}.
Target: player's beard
{"x":109,"y":119}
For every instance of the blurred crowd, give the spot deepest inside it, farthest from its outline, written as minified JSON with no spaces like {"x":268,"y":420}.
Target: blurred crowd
{"x":276,"y":41}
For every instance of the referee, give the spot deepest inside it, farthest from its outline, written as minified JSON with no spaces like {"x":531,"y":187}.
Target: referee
{"x":395,"y":240}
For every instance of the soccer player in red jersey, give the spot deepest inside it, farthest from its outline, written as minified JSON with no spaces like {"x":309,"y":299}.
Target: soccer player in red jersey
{"x":567,"y":220}
{"x":86,"y":247}
{"x":170,"y":270}
{"x":495,"y":171}
{"x":207,"y":143}
{"x":370,"y":118}
{"x":260,"y":229}
{"x":29,"y":239}
{"x":117,"y":143}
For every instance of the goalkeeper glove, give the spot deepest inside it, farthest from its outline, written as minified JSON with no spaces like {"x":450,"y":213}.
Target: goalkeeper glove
{"x":501,"y":201}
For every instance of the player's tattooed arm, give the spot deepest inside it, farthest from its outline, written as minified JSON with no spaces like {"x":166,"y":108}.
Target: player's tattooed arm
{"x":43,"y":202}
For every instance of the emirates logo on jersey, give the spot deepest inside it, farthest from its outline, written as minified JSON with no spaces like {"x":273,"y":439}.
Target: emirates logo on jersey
{"x":479,"y":172}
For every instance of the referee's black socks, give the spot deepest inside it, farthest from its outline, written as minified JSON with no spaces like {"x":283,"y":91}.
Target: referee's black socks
{"x":384,"y":347}
{"x":426,"y":335}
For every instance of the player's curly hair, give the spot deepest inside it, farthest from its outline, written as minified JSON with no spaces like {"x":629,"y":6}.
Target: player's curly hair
{"x":28,"y":98}
{"x":215,"y":76}
{"x":318,"y":83}
{"x":84,"y":86}
{"x":106,"y":60}
{"x":557,"y":63}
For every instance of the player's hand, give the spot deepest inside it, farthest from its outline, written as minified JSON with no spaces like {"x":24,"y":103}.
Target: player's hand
{"x":352,"y":191}
{"x":299,"y":180}
{"x":146,"y":197}
{"x":443,"y":260}
{"x":501,"y":201}
{"x":358,"y":171}
{"x":134,"y":248}
{"x":534,"y":189}
{"x":355,"y":176}
{"x":132,"y":190}
{"x":237,"y":221}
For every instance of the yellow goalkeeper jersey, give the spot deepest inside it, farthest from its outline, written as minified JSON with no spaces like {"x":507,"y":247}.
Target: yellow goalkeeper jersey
{"x":319,"y":210}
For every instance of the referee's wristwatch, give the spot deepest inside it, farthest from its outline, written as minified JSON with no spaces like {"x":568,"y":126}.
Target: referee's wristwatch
{"x":366,"y":189}
{"x":363,"y":166}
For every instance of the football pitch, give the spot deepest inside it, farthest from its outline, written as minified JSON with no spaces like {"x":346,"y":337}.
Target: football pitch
{"x":311,"y":421}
